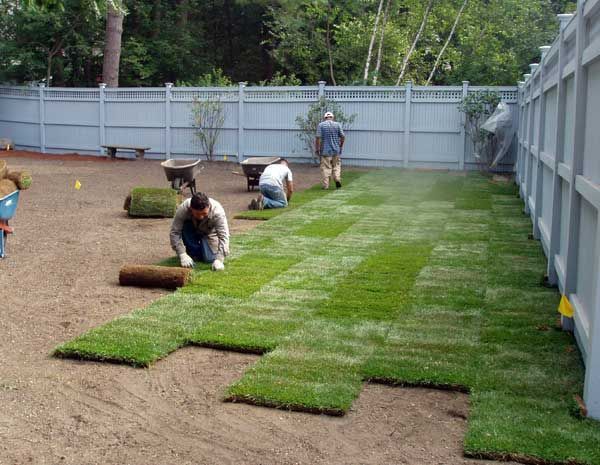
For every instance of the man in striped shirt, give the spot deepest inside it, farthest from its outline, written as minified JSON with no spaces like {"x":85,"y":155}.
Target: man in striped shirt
{"x":329,"y":142}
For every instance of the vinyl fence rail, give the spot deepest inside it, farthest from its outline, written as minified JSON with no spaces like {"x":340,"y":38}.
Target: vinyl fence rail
{"x":407,"y":126}
{"x":558,"y":172}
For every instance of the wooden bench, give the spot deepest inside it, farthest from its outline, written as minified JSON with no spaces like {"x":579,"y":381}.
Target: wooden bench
{"x":112,"y":150}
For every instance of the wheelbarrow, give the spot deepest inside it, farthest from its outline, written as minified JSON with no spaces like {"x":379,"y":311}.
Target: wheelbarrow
{"x":8,"y":206}
{"x":253,"y":167}
{"x":182,"y":173}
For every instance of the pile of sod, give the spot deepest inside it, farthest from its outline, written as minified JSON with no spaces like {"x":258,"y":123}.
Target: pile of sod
{"x":152,"y":202}
{"x":418,"y":279}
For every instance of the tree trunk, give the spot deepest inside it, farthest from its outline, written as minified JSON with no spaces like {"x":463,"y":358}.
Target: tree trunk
{"x":380,"y":48}
{"x":439,"y":57}
{"x":414,"y":44}
{"x":112,"y":47}
{"x":156,"y":19}
{"x":229,"y":27}
{"x":183,"y":11}
{"x":51,"y":54}
{"x":372,"y":42}
{"x":328,"y":40}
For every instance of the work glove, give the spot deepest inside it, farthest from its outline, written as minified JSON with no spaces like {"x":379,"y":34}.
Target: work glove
{"x":217,"y":265}
{"x":186,"y":261}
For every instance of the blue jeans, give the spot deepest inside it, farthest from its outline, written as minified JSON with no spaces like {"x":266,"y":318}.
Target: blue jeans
{"x":196,"y":244}
{"x":273,"y":196}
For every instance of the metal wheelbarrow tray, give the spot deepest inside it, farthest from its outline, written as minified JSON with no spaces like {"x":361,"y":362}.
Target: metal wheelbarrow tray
{"x":253,"y":167}
{"x":181,"y":173}
{"x":8,"y":206}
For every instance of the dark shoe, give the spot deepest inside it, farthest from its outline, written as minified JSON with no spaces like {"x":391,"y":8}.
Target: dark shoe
{"x":252,"y":205}
{"x":338,"y":184}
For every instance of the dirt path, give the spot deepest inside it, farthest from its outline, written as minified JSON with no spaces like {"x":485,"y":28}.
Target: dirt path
{"x":60,"y":279}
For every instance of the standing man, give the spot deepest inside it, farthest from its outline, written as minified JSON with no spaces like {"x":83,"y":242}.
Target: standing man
{"x":328,"y":145}
{"x":200,"y":232}
{"x":276,"y":187}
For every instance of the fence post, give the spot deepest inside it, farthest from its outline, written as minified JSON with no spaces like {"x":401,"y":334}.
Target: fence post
{"x":463,"y":133}
{"x":102,"y":128}
{"x":521,"y":107}
{"x":240,"y":154}
{"x":526,"y":158}
{"x":322,"y":89}
{"x":573,"y":209}
{"x":168,"y":87}
{"x":42,"y":118}
{"x":557,"y":207}
{"x":407,"y":100}
{"x":538,"y":139}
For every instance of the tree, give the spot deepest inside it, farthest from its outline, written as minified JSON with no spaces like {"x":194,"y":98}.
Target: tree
{"x":372,"y":42}
{"x":415,"y":41}
{"x":437,"y":60}
{"x":308,"y":123}
{"x":477,"y":107}
{"x":208,"y":117}
{"x":112,"y":47}
{"x":381,"y":37}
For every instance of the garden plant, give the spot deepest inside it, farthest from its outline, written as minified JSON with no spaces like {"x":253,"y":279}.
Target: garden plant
{"x":405,"y":278}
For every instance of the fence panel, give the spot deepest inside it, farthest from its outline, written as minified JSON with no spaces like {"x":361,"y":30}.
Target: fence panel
{"x":394,"y":126}
{"x":560,"y":179}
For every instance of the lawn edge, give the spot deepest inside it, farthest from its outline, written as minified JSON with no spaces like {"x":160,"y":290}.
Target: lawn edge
{"x":512,"y":457}
{"x":334,"y":412}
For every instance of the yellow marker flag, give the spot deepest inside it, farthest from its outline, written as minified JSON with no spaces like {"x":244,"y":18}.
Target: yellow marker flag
{"x":77,"y":184}
{"x":224,"y":157}
{"x":565,"y":308}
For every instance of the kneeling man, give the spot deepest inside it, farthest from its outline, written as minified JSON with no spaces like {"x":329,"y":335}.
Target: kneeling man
{"x":276,"y":187}
{"x":200,"y":232}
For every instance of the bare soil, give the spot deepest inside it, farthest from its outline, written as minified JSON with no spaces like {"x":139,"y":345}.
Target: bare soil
{"x":60,"y":278}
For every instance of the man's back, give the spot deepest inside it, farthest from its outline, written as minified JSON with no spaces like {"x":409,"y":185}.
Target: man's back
{"x":330,"y":133}
{"x":275,"y":175}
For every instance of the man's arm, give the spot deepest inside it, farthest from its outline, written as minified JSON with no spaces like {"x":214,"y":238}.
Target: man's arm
{"x":318,"y":140}
{"x":177,"y":228}
{"x":222,"y":231}
{"x":289,"y":189}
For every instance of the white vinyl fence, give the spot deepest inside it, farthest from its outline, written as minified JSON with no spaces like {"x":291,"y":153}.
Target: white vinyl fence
{"x":405,"y":126}
{"x":558,"y":172}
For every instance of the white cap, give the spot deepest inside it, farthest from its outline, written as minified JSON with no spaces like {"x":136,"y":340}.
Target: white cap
{"x":328,"y":115}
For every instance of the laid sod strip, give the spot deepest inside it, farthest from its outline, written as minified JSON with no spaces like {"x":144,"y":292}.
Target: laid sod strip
{"x":406,"y":278}
{"x":298,"y":199}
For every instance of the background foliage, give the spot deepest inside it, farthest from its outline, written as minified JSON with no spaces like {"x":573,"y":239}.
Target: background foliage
{"x":274,"y":41}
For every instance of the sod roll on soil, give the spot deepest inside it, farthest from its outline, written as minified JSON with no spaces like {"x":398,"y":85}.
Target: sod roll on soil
{"x":153,"y":202}
{"x":21,"y":178}
{"x":154,"y":276}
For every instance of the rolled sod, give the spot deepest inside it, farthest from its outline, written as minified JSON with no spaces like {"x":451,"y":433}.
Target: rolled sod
{"x":7,"y":187}
{"x":153,"y":202}
{"x":154,"y":276}
{"x":21,"y":178}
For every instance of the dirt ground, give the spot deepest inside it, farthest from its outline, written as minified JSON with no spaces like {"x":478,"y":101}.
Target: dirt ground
{"x":60,"y":278}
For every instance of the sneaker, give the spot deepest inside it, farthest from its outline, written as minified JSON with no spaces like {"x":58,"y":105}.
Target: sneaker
{"x":252,"y":205}
{"x":259,"y":202}
{"x":338,"y":184}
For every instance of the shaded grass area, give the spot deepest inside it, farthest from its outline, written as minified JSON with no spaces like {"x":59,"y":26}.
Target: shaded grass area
{"x":419,"y":279}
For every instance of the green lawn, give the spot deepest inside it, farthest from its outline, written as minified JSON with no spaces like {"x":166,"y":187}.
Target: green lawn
{"x":407,"y":278}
